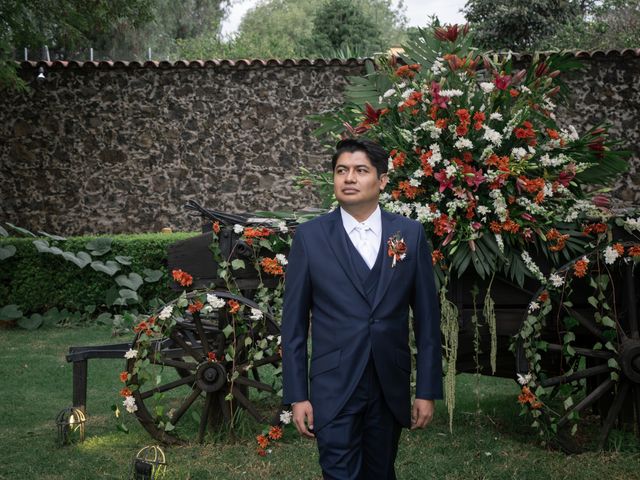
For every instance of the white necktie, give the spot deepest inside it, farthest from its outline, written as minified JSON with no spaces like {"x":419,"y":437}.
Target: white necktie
{"x":364,"y":246}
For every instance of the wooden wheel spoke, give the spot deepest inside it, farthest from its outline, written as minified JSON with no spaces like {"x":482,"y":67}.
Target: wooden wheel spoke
{"x":201,"y":333}
{"x":255,"y":384}
{"x":256,"y":374}
{"x":244,"y":401}
{"x":185,"y":405}
{"x":224,"y":407}
{"x":204,"y":418}
{"x":266,"y":360}
{"x":636,"y":403}
{"x":168,"y":362}
{"x":585,"y":352}
{"x":586,"y":323}
{"x":588,"y":400}
{"x":192,"y":351}
{"x":614,"y":410}
{"x":587,"y":372}
{"x":168,"y":386}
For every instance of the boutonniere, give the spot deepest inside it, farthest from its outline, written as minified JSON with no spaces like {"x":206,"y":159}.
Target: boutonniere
{"x":397,"y":249}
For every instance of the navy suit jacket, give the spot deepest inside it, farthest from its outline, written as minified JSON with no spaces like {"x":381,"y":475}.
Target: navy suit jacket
{"x":346,"y":329}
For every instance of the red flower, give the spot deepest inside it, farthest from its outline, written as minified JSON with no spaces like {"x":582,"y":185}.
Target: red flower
{"x":513,"y":92}
{"x":436,"y":99}
{"x":445,"y":182}
{"x":502,"y":81}
{"x":262,"y":452}
{"x":271,"y":266}
{"x":125,"y":392}
{"x":618,"y":247}
{"x":371,"y":117}
{"x":408,"y":71}
{"x":182,"y":278}
{"x":275,"y":433}
{"x":263,"y":441}
{"x":450,"y":32}
{"x":472,"y":176}
{"x":634,"y":251}
{"x":211,"y":356}
{"x":580,"y":268}
{"x":398,"y":159}
{"x":436,"y":256}
{"x":124,"y":376}
{"x":195,"y":307}
{"x":234,"y":306}
{"x":216,"y":227}
{"x":544,"y":296}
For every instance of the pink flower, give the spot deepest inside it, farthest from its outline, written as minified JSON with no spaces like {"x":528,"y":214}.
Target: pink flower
{"x":445,"y":182}
{"x":502,"y":81}
{"x":441,"y":102}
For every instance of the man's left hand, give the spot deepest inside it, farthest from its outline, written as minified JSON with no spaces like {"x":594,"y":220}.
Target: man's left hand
{"x":422,"y":413}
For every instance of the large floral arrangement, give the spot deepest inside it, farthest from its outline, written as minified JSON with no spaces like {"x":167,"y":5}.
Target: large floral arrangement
{"x":478,"y":156}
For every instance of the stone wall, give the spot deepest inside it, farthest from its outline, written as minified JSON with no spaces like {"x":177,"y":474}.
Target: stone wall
{"x":107,"y":148}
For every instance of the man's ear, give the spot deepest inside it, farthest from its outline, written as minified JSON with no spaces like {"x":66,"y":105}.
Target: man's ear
{"x":384,"y":179}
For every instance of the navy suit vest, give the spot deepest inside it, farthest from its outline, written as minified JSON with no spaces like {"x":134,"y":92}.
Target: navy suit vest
{"x":368,"y":277}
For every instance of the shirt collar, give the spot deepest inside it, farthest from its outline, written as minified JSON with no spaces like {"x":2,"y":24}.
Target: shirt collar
{"x":374,"y":222}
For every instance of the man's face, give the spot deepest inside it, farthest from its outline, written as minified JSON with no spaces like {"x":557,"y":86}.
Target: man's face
{"x":356,"y":181}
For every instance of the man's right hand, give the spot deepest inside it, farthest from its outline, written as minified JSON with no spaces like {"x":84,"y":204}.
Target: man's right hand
{"x":303,"y":416}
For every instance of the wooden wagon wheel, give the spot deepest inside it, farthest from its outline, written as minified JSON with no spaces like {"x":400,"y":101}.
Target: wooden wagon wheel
{"x":601,"y":367}
{"x":203,"y":381}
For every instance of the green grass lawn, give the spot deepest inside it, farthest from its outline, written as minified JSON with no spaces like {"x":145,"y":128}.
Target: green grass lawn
{"x":491,"y":442}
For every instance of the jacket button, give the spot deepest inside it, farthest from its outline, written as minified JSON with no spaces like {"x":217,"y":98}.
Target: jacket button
{"x":371,"y":320}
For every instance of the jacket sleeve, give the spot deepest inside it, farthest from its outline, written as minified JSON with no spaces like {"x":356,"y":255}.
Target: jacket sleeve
{"x":295,"y":323}
{"x":426,"y":318}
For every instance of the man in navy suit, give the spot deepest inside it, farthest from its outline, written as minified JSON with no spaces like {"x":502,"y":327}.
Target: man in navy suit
{"x":353,"y":274}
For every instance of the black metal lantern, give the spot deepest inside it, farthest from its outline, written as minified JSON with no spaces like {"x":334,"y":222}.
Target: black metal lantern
{"x":149,"y":463}
{"x":70,"y":423}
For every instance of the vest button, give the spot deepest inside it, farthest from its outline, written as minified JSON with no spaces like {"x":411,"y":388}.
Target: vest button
{"x":371,"y":321}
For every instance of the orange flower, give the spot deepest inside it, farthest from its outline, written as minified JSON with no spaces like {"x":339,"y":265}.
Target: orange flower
{"x":544,"y":296}
{"x":510,"y":226}
{"x":275,"y":433}
{"x":634,"y":251}
{"x":216,"y":227}
{"x":195,"y":307}
{"x":124,"y":376}
{"x":263,"y":441}
{"x":409,"y":191}
{"x":182,"y":278}
{"x":513,"y":92}
{"x":580,"y":268}
{"x":212,"y":357}
{"x":618,"y":247}
{"x":234,"y":306}
{"x":595,"y":228}
{"x":250,"y":232}
{"x":271,"y":266}
{"x":125,"y":392}
{"x":560,"y":239}
{"x":436,"y":256}
{"x":398,"y":159}
{"x":553,"y":134}
{"x":495,"y":227}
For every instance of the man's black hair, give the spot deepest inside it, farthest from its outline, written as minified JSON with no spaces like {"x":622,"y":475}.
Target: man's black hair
{"x":377,"y":155}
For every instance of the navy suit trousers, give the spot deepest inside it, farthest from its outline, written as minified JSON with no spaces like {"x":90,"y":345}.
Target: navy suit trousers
{"x":361,"y":442}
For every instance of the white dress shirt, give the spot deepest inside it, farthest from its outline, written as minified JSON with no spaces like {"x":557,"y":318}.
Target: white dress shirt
{"x":365,"y":236}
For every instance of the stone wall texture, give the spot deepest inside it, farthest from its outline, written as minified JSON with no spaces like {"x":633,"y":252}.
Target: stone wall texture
{"x":109,"y":148}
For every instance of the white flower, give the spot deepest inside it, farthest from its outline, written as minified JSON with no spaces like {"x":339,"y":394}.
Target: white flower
{"x":533,"y":306}
{"x":492,"y":136}
{"x":610,"y":255}
{"x":438,"y":67}
{"x":463,"y":144}
{"x":500,"y":242}
{"x":237,"y":228}
{"x":556,"y":280}
{"x":524,"y":89}
{"x":286,"y":416}
{"x":519,"y":153}
{"x":495,"y":115}
{"x":256,"y":314}
{"x":215,"y":301}
{"x":531,"y":266}
{"x":414,"y":183}
{"x":282,"y":226}
{"x":451,"y":93}
{"x":487,"y":87}
{"x":390,"y":164}
{"x":482,"y":210}
{"x":419,"y":173}
{"x":524,"y":379}
{"x":451,"y":170}
{"x":166,"y":312}
{"x":130,"y":404}
{"x":129,"y":354}
{"x":632,"y":223}
{"x":282,"y":259}
{"x":389,"y":93}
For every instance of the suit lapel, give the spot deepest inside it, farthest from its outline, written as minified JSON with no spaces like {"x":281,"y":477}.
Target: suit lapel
{"x":387,"y":271}
{"x":337,"y":240}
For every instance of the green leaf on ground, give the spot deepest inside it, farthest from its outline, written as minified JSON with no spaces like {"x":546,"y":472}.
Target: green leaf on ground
{"x":10,"y":312}
{"x":30,"y":323}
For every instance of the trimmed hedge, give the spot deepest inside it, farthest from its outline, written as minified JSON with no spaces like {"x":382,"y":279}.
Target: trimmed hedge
{"x":38,"y":281}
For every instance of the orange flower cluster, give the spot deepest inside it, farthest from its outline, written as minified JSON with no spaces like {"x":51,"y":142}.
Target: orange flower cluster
{"x":502,"y":164}
{"x":195,"y":306}
{"x":618,"y":247}
{"x":634,"y":251}
{"x":182,"y":278}
{"x":126,"y":392}
{"x":596,"y":228}
{"x":216,"y":227}
{"x":424,"y":163}
{"x":528,"y":397}
{"x":408,"y":71}
{"x":124,"y":376}
{"x":263,"y":441}
{"x":271,"y":266}
{"x":409,"y":191}
{"x":465,"y":119}
{"x":507,"y":226}
{"x":526,"y":132}
{"x":580,"y":268}
{"x":250,"y":233}
{"x":398,"y":158}
{"x":275,"y":433}
{"x":478,"y":118}
{"x":211,"y":356}
{"x":234,"y":306}
{"x":145,"y":326}
{"x":543,"y":297}
{"x":560,"y":239}
{"x":412,"y":101}
{"x":553,"y":134}
{"x":436,"y":256}
{"x":443,"y":224}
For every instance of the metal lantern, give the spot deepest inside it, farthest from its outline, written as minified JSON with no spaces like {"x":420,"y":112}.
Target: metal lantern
{"x":149,"y":463}
{"x":70,"y":423}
